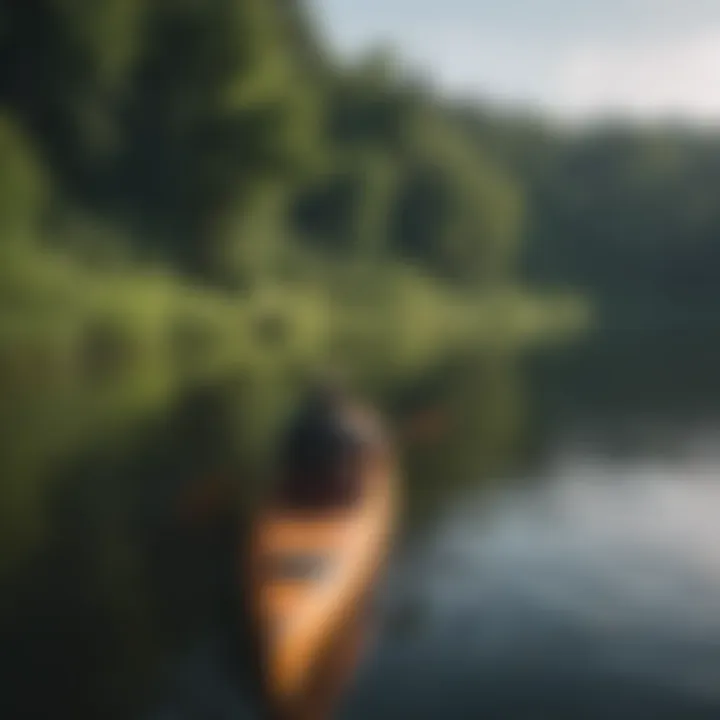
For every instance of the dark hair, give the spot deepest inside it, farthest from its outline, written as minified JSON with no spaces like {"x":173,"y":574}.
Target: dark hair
{"x":328,"y":391}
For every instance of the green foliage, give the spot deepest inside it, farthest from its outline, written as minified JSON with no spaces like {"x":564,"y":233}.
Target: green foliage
{"x":478,"y":208}
{"x":290,"y":202}
{"x":218,"y":139}
{"x":627,"y":215}
{"x":408,"y":182}
{"x":217,"y":136}
{"x":165,"y":116}
{"x":23,"y":187}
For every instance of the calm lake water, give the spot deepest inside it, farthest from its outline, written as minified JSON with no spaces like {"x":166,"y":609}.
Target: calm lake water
{"x":560,"y":554}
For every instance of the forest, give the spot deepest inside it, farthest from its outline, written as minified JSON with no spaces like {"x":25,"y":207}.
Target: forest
{"x":624,"y":212}
{"x":169,"y":166}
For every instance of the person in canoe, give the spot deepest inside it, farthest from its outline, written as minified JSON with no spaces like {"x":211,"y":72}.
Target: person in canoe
{"x":317,"y":549}
{"x":326,"y":447}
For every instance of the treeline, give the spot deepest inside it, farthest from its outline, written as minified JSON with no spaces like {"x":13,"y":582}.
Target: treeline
{"x":220,"y":140}
{"x":218,"y":137}
{"x":634,"y":218}
{"x":627,"y":214}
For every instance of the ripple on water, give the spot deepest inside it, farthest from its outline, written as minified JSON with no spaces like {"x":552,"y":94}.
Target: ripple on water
{"x":606,"y":577}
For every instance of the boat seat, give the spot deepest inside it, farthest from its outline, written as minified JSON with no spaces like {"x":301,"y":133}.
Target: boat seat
{"x":299,"y":566}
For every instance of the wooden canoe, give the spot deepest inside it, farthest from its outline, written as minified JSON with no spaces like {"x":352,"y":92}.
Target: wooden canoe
{"x":311,"y":577}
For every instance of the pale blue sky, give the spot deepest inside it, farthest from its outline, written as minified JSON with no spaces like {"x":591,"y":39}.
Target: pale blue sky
{"x":575,"y":58}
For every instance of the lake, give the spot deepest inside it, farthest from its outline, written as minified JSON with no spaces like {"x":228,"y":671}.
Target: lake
{"x":559,"y":556}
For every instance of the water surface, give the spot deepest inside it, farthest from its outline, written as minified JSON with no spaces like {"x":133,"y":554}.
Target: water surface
{"x":558,"y":558}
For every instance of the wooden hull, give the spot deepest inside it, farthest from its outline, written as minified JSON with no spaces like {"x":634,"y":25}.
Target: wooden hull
{"x":312,"y":576}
